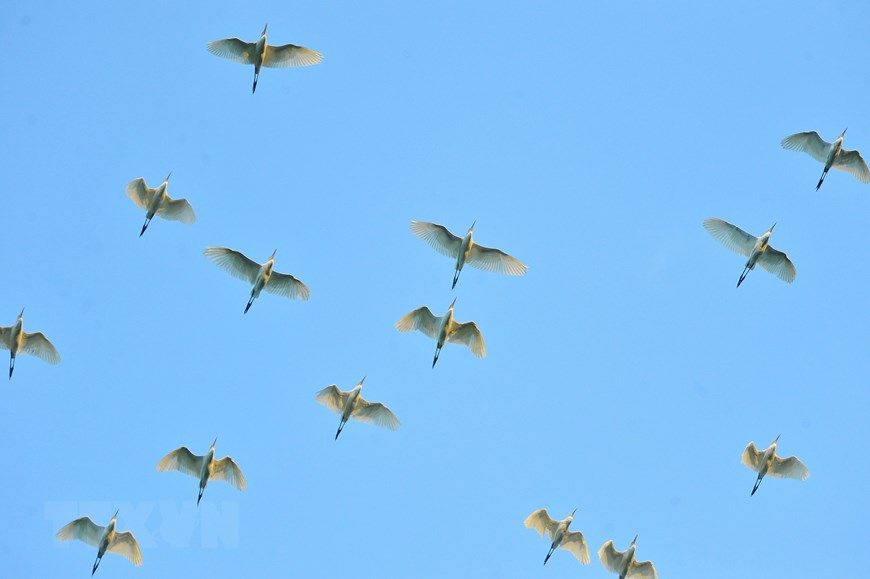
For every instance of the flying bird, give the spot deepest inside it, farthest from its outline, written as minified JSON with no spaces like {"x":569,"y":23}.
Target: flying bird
{"x":444,"y":329}
{"x":260,"y":276}
{"x":351,"y":405}
{"x":205,"y":467}
{"x":262,"y":54}
{"x":157,"y":202}
{"x":766,"y":462}
{"x":103,"y":538}
{"x":756,"y":249}
{"x":17,"y":341}
{"x":624,"y":563}
{"x":559,"y":534}
{"x":464,"y":250}
{"x":831,"y":154}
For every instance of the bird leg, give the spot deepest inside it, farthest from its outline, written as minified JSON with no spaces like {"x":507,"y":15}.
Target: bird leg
{"x":340,"y":427}
{"x":96,"y":564}
{"x":199,"y":498}
{"x":437,"y":351}
{"x":755,"y":488}
{"x":250,"y":301}
{"x":549,"y":553}
{"x":743,"y":275}
{"x":455,"y":278}
{"x":11,"y":365}
{"x":145,"y":226}
{"x":825,"y":172}
{"x":256,"y":76}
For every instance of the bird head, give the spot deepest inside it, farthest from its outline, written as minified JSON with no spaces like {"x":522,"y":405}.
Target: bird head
{"x":843,"y":134}
{"x":633,"y":541}
{"x":776,"y":439}
{"x":115,"y":516}
{"x":361,"y":381}
{"x":273,"y":254}
{"x":571,"y":516}
{"x":264,"y":29}
{"x":21,"y":315}
{"x":167,"y":177}
{"x":452,"y":304}
{"x":214,"y":443}
{"x":771,"y":228}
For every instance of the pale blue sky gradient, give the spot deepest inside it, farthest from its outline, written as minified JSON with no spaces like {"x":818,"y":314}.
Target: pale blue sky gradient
{"x":624,"y":376}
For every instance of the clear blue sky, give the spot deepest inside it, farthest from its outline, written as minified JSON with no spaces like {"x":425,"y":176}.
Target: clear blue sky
{"x":624,"y":376}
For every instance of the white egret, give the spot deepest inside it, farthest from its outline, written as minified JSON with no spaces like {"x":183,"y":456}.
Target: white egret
{"x":831,"y":154}
{"x":444,"y":329}
{"x":17,"y":341}
{"x":351,"y":405}
{"x":261,"y":276}
{"x":765,"y":462}
{"x":103,"y":538}
{"x":559,"y":534}
{"x":157,"y":202}
{"x":205,"y":467}
{"x":262,"y":54}
{"x":756,"y":249}
{"x":464,"y":250}
{"x":624,"y":563}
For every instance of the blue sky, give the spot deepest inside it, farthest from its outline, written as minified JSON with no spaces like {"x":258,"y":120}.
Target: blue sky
{"x":624,"y":376}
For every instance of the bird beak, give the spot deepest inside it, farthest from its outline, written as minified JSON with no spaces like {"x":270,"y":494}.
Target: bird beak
{"x":21,"y":315}
{"x":777,"y":438}
{"x":572,"y":512}
{"x":633,"y":541}
{"x":772,"y":226}
{"x":116,"y":514}
{"x":452,"y":303}
{"x":264,"y":29}
{"x":363,"y":380}
{"x":472,"y":225}
{"x":214,"y":443}
{"x":168,"y":176}
{"x":273,"y":253}
{"x":844,"y":131}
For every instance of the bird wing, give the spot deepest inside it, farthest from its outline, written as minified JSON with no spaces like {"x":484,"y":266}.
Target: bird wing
{"x":234,"y":49}
{"x":226,"y":469}
{"x":541,"y":522}
{"x":182,"y":459}
{"x":611,"y":558}
{"x":140,"y":193}
{"x":37,"y":344}
{"x":576,"y":544}
{"x":420,"y":319}
{"x":810,"y":143}
{"x":125,"y":544}
{"x":5,"y":332}
{"x":438,"y":237}
{"x":731,"y":236}
{"x":469,"y":335}
{"x":332,"y":398}
{"x":177,"y":210}
{"x":495,"y":260}
{"x":790,"y":467}
{"x":375,"y":412}
{"x":84,"y":530}
{"x":852,"y":163}
{"x":290,"y":55}
{"x":751,"y":457}
{"x":777,"y":263}
{"x":234,"y":263}
{"x":642,"y":570}
{"x":282,"y":284}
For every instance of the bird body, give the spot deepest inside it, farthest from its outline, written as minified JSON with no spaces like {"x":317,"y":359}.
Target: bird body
{"x":624,"y":562}
{"x":260,"y":276}
{"x":831,"y":154}
{"x":465,"y":250}
{"x":351,"y":405}
{"x":204,"y":467}
{"x":103,"y":538}
{"x":158,"y":202}
{"x":559,"y":534}
{"x":444,"y":329}
{"x":17,"y":341}
{"x":766,"y":462}
{"x":757,"y":250}
{"x":261,"y":53}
